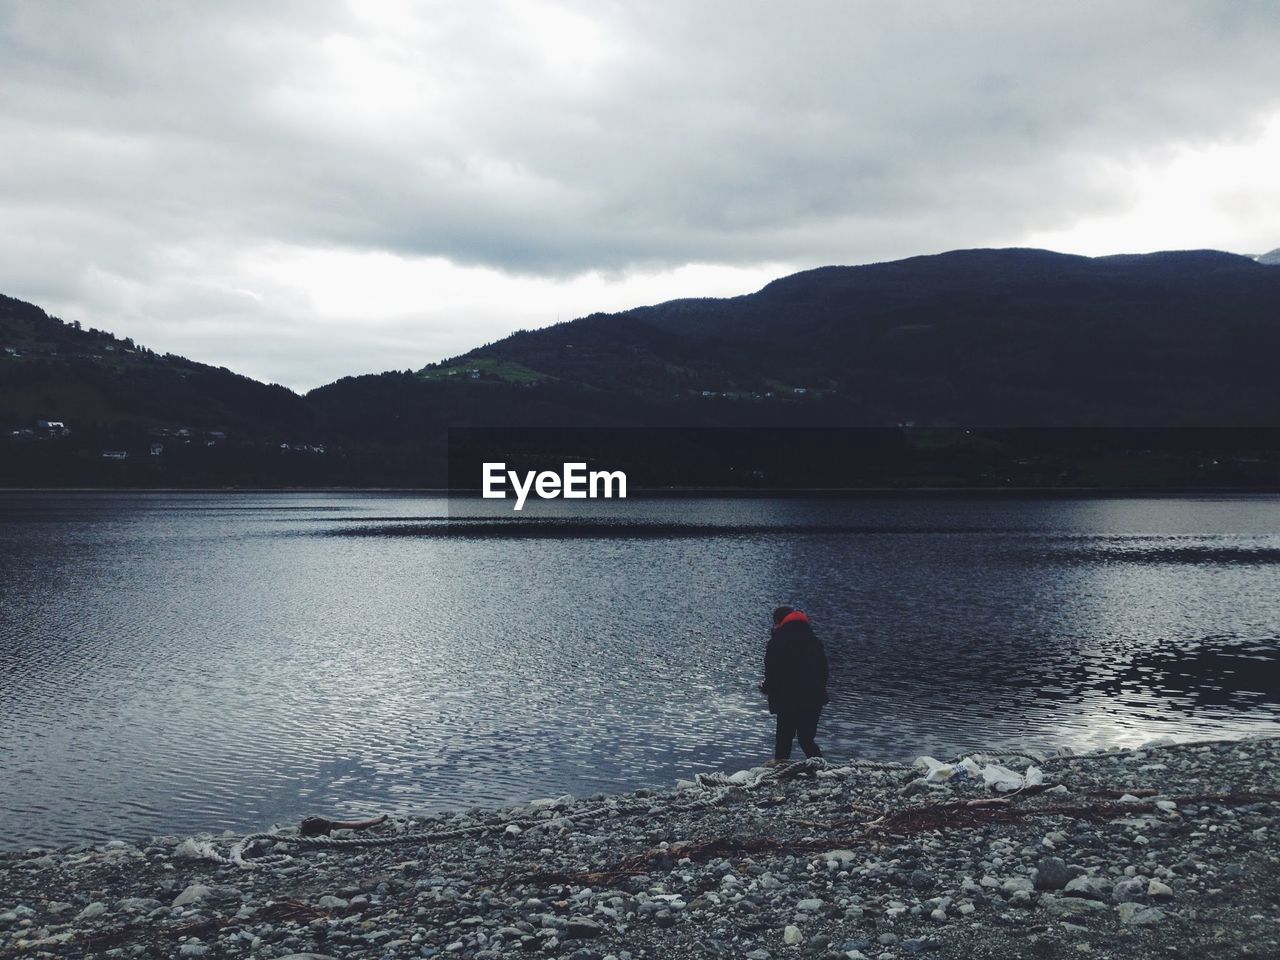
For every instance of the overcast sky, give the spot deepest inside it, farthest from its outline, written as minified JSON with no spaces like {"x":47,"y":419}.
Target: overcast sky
{"x":305,"y":190}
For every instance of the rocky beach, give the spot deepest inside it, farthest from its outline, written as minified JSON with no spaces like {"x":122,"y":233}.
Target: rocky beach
{"x":1161,"y":851}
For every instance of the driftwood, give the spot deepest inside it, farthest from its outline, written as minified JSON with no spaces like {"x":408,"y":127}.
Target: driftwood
{"x":136,"y":934}
{"x":322,"y":826}
{"x":955,"y":815}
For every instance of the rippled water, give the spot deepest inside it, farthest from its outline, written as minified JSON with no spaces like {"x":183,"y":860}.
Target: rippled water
{"x":172,"y":663}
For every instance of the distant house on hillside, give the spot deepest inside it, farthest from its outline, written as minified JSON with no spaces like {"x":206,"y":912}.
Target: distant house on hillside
{"x":115,"y":454}
{"x":157,"y":449}
{"x":52,"y":428}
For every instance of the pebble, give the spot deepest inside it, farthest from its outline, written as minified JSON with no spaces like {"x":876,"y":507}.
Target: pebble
{"x":1129,"y":890}
{"x":1039,"y":887}
{"x":1138,"y":915}
{"x":95,"y":909}
{"x":1052,"y":873}
{"x":192,"y":894}
{"x":583,"y":927}
{"x":1091,"y":888}
{"x":1069,"y":907}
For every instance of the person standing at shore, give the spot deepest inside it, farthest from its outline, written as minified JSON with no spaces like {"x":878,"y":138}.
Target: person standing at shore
{"x":795,"y":680}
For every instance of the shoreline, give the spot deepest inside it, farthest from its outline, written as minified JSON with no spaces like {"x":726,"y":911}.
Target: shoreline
{"x":1161,"y":850}
{"x":763,"y":493}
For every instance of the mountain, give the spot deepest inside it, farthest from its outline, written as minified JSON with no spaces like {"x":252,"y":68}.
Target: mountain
{"x":980,"y":339}
{"x":1271,"y":259}
{"x":55,"y":370}
{"x":972,"y":337}
{"x":105,"y":394}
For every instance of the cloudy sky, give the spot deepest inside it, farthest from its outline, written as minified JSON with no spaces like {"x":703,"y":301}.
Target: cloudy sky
{"x":304,"y":190}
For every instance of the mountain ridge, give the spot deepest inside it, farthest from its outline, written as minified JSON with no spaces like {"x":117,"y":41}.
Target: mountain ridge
{"x":986,"y":338}
{"x":920,"y":339}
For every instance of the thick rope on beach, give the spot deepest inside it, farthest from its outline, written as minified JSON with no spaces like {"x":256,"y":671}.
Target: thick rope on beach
{"x":718,"y":788}
{"x":708,"y":789}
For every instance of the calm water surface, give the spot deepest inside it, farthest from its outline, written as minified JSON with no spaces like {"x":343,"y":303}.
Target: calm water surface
{"x":173,"y":663}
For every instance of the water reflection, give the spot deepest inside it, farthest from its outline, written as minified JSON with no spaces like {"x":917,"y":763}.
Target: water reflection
{"x":181,"y":662}
{"x":1219,"y":672}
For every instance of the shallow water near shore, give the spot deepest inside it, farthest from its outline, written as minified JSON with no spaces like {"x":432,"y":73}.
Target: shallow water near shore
{"x":179,"y":662}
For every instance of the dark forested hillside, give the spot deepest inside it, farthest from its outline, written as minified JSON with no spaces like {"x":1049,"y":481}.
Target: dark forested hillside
{"x":975,"y":337}
{"x":84,"y":407}
{"x":979,"y":339}
{"x":56,"y":370}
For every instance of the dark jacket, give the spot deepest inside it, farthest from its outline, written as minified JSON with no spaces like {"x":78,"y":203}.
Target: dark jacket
{"x":795,"y":667}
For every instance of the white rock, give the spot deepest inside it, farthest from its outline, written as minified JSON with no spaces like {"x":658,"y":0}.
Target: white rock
{"x":792,"y":936}
{"x":842,"y":857}
{"x":553,"y":803}
{"x":1137,"y":914}
{"x":193,"y":894}
{"x":192,"y":850}
{"x":1092,"y":888}
{"x":95,"y":909}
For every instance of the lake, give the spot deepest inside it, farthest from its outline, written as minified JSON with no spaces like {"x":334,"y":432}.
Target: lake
{"x":181,"y":662}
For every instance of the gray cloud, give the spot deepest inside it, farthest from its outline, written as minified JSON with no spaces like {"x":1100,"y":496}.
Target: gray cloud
{"x":554,"y":139}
